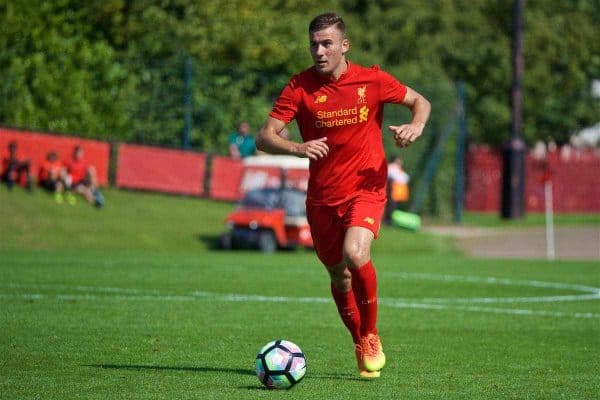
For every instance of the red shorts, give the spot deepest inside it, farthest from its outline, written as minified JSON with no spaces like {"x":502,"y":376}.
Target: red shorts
{"x":328,"y":224}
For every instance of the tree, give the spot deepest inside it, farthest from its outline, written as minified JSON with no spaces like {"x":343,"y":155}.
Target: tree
{"x":115,"y":69}
{"x":54,"y":77}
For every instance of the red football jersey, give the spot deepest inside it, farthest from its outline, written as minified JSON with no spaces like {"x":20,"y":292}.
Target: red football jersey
{"x":349,"y":112}
{"x":77,"y":169}
{"x":49,"y":167}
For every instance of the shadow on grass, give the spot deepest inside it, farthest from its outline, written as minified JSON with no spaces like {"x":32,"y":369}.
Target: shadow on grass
{"x":212,"y":242}
{"x":336,"y":377}
{"x":238,"y":371}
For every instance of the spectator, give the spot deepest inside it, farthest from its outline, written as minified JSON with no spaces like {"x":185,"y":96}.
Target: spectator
{"x":82,"y":178}
{"x":398,"y":191}
{"x":15,"y":171}
{"x":53,"y":176}
{"x":241,"y":143}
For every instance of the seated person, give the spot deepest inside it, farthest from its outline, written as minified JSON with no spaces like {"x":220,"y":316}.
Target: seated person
{"x":241,"y":143}
{"x":15,"y":171}
{"x":82,"y":178}
{"x":53,"y":176}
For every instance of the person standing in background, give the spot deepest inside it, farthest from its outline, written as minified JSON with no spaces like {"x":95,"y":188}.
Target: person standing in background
{"x":398,"y":190}
{"x":241,"y":143}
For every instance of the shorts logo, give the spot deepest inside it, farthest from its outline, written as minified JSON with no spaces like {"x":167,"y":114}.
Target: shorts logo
{"x":369,"y":220}
{"x":362,"y":94}
{"x":320,"y":99}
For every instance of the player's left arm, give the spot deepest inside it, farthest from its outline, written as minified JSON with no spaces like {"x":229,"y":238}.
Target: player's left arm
{"x":406,"y":134}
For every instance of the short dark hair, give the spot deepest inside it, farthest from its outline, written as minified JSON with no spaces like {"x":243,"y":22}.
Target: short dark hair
{"x":326,"y":20}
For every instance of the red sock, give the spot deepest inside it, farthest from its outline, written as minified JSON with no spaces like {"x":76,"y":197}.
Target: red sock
{"x":348,"y":310}
{"x":364,"y":285}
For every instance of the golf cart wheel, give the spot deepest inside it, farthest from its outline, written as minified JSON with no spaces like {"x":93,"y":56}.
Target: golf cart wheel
{"x":267,"y":242}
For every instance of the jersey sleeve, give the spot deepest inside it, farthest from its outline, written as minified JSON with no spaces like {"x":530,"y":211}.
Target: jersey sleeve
{"x":392,"y":90}
{"x":286,"y":106}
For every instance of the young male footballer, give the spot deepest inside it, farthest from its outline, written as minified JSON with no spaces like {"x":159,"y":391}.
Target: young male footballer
{"x":338,"y":106}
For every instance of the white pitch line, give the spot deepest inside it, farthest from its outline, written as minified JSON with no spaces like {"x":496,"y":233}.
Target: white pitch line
{"x":231,"y":297}
{"x":595,"y":292}
{"x":492,"y":281}
{"x":505,"y":300}
{"x":77,"y":288}
{"x":93,"y":297}
{"x":120,"y":294}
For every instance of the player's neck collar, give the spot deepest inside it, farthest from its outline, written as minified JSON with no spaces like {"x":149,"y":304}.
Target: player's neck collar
{"x":330,"y":78}
{"x":344,"y":72}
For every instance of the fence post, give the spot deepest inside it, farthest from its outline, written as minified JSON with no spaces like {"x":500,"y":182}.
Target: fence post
{"x":461,"y":139}
{"x":188,"y":102}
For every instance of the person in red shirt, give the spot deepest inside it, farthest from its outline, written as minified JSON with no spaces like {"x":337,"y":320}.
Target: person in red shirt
{"x":338,"y":106}
{"x":52,"y":176}
{"x":82,"y":177}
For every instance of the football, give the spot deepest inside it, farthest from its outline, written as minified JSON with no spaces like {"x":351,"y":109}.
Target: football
{"x":280,"y":364}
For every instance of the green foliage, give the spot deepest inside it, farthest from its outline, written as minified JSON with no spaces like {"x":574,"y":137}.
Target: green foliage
{"x":471,"y":41}
{"x":115,"y":69}
{"x":54,"y":76}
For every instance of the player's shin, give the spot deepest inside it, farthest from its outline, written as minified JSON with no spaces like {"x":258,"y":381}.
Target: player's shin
{"x":348,"y":310}
{"x":364,"y":284}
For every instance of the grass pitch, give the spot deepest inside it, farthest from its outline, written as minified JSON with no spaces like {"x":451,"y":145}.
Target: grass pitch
{"x":133,"y":302}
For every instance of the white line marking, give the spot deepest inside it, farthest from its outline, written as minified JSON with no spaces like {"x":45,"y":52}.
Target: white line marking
{"x":77,"y":288}
{"x":231,"y":297}
{"x":489,"y":300}
{"x":595,"y":292}
{"x":492,"y":281}
{"x":120,"y":294}
{"x":93,"y":297}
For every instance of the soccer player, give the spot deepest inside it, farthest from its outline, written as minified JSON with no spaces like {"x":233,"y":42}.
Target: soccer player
{"x":338,"y":106}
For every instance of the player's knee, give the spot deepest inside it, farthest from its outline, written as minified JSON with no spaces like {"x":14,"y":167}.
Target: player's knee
{"x":356,"y":255}
{"x":342,"y":284}
{"x":341,"y":278}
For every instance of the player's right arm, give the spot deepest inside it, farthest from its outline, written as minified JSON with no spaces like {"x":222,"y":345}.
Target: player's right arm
{"x":269,"y":141}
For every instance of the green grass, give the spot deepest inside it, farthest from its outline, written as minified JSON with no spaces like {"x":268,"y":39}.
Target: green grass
{"x":131,"y":302}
